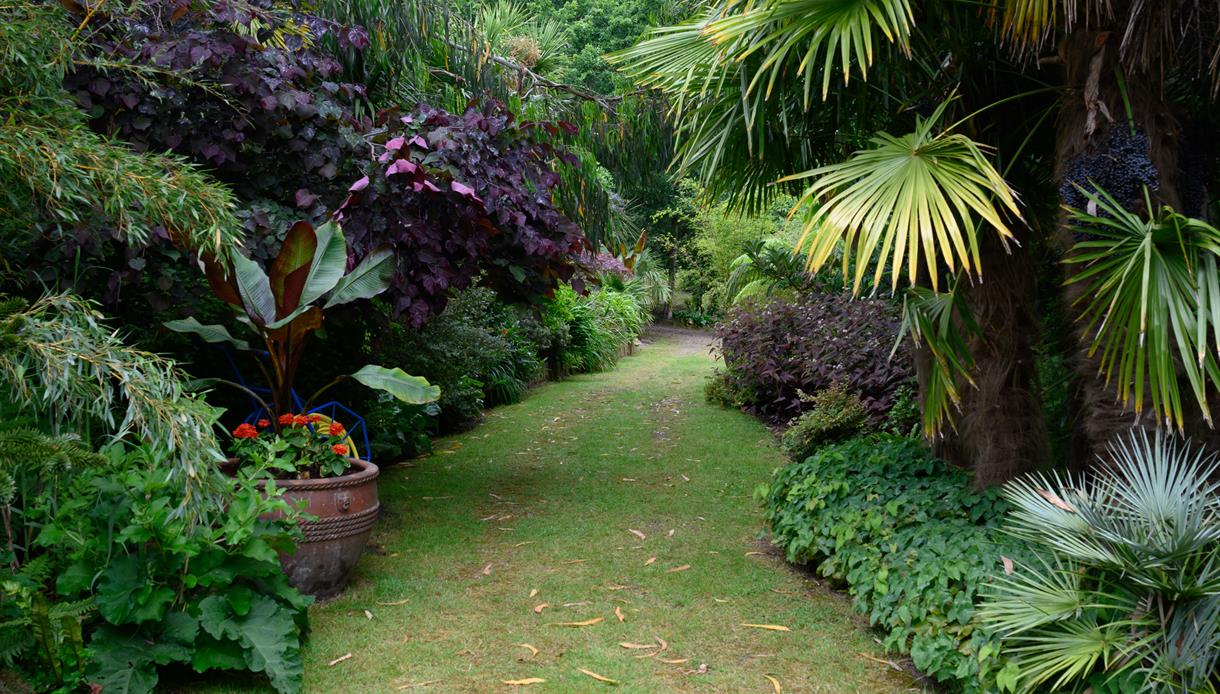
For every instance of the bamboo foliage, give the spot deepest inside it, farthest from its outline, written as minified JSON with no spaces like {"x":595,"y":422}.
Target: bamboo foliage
{"x":58,"y":173}
{"x":58,"y":359}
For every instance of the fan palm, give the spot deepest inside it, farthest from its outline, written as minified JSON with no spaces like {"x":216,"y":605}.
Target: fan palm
{"x":767,"y":266}
{"x":788,"y":91}
{"x":1127,"y":581}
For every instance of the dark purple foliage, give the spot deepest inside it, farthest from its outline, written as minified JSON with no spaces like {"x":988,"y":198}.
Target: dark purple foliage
{"x":457,"y":196}
{"x":258,"y":107}
{"x":773,"y":349}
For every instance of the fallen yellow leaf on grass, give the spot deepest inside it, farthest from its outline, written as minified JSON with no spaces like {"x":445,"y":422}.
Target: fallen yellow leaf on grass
{"x":522,"y":683}
{"x":627,"y":644}
{"x":586,"y":623}
{"x":533,"y":592}
{"x":599,"y":678}
{"x":769,"y":627}
{"x":618,"y":612}
{"x":676,"y":569}
{"x":673,"y":661}
{"x":774,"y":684}
{"x":396,"y":602}
{"x":533,"y":651}
{"x":487,"y":570}
{"x":637,"y":533}
{"x":650,"y":560}
{"x":664,"y":646}
{"x":750,"y":554}
{"x":540,"y":607}
{"x":340,"y":659}
{"x":414,"y":685}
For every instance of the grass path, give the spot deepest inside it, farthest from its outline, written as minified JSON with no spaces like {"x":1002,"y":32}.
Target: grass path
{"x":544,"y":497}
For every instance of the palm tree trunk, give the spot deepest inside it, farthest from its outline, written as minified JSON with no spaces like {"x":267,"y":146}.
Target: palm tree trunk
{"x":1000,"y":431}
{"x":1093,"y":103}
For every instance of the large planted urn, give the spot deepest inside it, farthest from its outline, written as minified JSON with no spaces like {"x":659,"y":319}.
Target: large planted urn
{"x":346,"y":508}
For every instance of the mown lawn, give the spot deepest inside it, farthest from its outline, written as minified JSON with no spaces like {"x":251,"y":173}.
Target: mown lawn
{"x":619,"y":500}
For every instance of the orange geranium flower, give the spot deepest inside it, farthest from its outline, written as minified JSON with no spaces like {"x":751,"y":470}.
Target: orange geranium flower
{"x":245,"y":430}
{"x":339,"y":449}
{"x":285,"y":419}
{"x":336,"y":429}
{"x":300,"y":420}
{"x":264,"y":423}
{"x":314,"y":418}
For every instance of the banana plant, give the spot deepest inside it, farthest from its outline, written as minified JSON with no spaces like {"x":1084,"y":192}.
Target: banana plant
{"x":284,"y":304}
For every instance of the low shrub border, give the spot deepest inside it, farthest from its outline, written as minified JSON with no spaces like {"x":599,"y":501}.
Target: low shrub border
{"x":910,"y":540}
{"x":774,"y":350}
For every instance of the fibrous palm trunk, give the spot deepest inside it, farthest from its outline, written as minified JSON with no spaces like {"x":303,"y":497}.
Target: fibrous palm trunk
{"x":1000,"y":430}
{"x":1094,"y":103}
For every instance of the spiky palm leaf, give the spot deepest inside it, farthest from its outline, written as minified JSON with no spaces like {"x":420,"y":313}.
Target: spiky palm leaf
{"x":905,"y":200}
{"x":1127,"y":581}
{"x":1155,"y":33}
{"x":740,"y":79}
{"x":942,"y":323}
{"x":1154,"y":294}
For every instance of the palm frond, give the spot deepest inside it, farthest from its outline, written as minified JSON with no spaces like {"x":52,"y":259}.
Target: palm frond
{"x":1154,"y":293}
{"x":941,"y":323}
{"x":913,"y":201}
{"x":1125,"y":587}
{"x":739,"y":79}
{"x":798,"y":35}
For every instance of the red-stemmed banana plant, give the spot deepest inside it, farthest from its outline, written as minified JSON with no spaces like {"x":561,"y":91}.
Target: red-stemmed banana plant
{"x":283,"y":305}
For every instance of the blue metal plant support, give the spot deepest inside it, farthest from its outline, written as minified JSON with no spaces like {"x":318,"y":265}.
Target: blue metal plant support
{"x":333,"y":410}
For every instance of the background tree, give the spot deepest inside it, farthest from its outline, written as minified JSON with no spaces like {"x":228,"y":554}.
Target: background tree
{"x":672,"y":233}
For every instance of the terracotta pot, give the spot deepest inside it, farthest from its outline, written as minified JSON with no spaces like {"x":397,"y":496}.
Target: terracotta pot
{"x":346,"y":508}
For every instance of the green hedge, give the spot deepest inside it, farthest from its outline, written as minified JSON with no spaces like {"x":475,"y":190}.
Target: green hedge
{"x":912,"y":542}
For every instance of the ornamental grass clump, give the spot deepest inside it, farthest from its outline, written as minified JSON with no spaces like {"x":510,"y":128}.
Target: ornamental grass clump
{"x":1123,"y":592}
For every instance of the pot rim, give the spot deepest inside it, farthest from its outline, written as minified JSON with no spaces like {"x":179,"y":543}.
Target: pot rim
{"x":361,"y":472}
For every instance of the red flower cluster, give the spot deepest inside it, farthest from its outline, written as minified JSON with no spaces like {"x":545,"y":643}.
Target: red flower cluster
{"x":245,"y":430}
{"x":285,"y":420}
{"x":264,"y":423}
{"x":336,"y":429}
{"x":339,"y":449}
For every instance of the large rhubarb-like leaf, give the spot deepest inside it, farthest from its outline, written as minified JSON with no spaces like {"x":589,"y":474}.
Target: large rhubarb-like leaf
{"x":267,"y":633}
